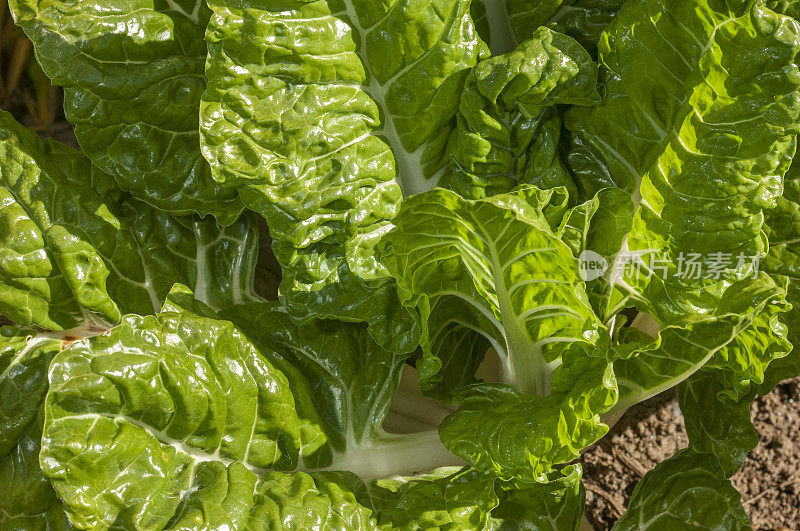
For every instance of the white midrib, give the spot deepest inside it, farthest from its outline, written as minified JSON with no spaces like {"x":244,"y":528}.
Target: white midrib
{"x":409,"y":166}
{"x":635,"y":398}
{"x":32,"y":344}
{"x":396,"y":455}
{"x":194,"y":16}
{"x":501,"y":33}
{"x":148,"y":280}
{"x":201,"y":282}
{"x":147,"y":284}
{"x":196,"y":454}
{"x":389,"y":456}
{"x":523,"y":363}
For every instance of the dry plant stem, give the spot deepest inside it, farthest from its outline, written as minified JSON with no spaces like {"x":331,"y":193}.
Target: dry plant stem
{"x":629,"y":462}
{"x":794,"y":479}
{"x":619,"y":509}
{"x":19,"y":58}
{"x":43,"y":107}
{"x":8,"y":33}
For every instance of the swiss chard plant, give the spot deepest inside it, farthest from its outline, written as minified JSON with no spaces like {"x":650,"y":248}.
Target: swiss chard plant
{"x":499,"y":224}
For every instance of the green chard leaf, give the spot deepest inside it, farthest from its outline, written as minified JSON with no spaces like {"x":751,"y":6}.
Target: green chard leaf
{"x":133,"y":76}
{"x":449,"y":498}
{"x":556,"y":505}
{"x":519,"y":438}
{"x":785,"y":7}
{"x":508,"y":128}
{"x":468,"y":266}
{"x":27,"y":501}
{"x":595,"y":231}
{"x":738,"y":343}
{"x":77,"y":252}
{"x":336,"y":121}
{"x":783,"y":262}
{"x":701,"y":143}
{"x":185,"y":419}
{"x":687,"y":491}
{"x":715,"y":401}
{"x":494,"y":268}
{"x":583,"y":20}
{"x":690,"y":114}
{"x":353,"y":102}
{"x":716,"y":423}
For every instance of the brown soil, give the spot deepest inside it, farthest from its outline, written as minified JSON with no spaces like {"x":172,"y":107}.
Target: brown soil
{"x":652,"y":431}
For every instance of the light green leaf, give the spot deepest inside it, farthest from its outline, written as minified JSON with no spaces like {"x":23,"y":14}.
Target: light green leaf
{"x":77,"y":252}
{"x":703,"y":108}
{"x":737,"y":342}
{"x":519,"y":438}
{"x":27,"y":501}
{"x":508,"y":129}
{"x":595,"y":231}
{"x":133,"y":75}
{"x":492,"y":266}
{"x":324,"y":114}
{"x":687,"y":491}
{"x":183,"y":419}
{"x":459,"y":350}
{"x":449,"y":498}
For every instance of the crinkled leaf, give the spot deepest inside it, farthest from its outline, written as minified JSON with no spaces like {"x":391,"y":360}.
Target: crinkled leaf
{"x":183,"y":419}
{"x":27,"y":500}
{"x":449,"y":498}
{"x":460,"y":351}
{"x":133,"y":77}
{"x":783,"y":262}
{"x":508,"y":130}
{"x":738,"y":342}
{"x":492,"y":266}
{"x":353,"y":103}
{"x":519,"y":438}
{"x":786,"y":7}
{"x":594,"y":231}
{"x":687,"y":491}
{"x":699,"y":132}
{"x":23,"y":381}
{"x":716,"y":400}
{"x":351,"y":381}
{"x":598,"y":225}
{"x":76,"y":251}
